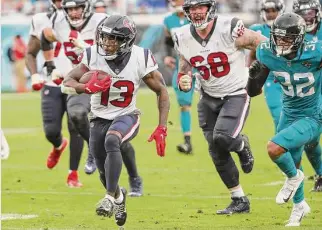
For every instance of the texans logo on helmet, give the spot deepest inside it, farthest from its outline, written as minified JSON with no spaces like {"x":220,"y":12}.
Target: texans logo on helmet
{"x":127,"y":23}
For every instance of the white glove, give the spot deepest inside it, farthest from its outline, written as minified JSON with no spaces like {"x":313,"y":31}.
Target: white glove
{"x":57,"y":77}
{"x":37,"y":81}
{"x":185,"y":83}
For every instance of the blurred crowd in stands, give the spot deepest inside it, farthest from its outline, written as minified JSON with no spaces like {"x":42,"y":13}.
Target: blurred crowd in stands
{"x":30,"y":7}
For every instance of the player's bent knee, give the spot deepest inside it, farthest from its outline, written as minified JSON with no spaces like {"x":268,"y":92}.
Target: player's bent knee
{"x":77,"y":113}
{"x":274,"y":150}
{"x":224,"y":141}
{"x":52,"y":132}
{"x":112,"y":142}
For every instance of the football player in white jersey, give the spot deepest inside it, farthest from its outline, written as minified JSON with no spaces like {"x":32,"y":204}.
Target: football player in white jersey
{"x":214,"y":45}
{"x":67,"y":27}
{"x":114,"y":116}
{"x":53,"y":101}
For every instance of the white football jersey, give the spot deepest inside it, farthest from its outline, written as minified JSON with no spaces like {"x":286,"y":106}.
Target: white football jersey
{"x":120,"y":99}
{"x":220,"y":64}
{"x":39,"y":22}
{"x":63,"y":29}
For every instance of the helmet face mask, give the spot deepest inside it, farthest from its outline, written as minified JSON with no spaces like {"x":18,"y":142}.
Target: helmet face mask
{"x":199,"y":12}
{"x":270,"y":9}
{"x":115,"y":36}
{"x":287,"y":34}
{"x":310,"y":17}
{"x":310,"y":11}
{"x":76,"y":11}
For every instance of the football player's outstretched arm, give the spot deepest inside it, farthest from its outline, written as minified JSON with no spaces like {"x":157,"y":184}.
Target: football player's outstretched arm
{"x":32,"y":52}
{"x":155,"y":82}
{"x":71,"y":83}
{"x":249,"y":40}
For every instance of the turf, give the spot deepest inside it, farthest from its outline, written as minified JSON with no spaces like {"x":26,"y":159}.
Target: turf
{"x":181,"y":192}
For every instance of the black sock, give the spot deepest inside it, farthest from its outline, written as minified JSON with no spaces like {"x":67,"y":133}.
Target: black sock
{"x":75,"y":148}
{"x":187,"y":139}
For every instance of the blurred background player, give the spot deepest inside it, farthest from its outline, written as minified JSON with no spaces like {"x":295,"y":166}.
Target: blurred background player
{"x":5,"y":151}
{"x":215,"y":45}
{"x":296,"y":66}
{"x":270,"y":9}
{"x":99,"y":6}
{"x":171,"y":23}
{"x":53,"y":101}
{"x":114,"y":117}
{"x":76,"y":31}
{"x":19,"y":50}
{"x":68,"y":27}
{"x":310,"y":10}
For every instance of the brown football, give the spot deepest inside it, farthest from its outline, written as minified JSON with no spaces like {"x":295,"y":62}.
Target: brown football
{"x":87,"y":76}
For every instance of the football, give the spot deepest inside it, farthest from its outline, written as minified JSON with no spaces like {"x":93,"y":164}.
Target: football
{"x":87,"y":76}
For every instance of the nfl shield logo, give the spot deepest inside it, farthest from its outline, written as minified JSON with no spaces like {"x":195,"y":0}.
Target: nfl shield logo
{"x":289,"y":64}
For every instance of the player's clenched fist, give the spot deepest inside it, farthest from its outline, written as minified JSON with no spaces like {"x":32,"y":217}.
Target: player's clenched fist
{"x":185,"y":82}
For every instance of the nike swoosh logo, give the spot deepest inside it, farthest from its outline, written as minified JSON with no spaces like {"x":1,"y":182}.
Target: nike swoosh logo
{"x":98,"y":86}
{"x":288,"y":198}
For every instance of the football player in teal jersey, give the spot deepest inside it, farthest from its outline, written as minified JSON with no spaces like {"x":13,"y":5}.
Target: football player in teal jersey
{"x":310,"y":12}
{"x":171,"y":22}
{"x":270,"y":9}
{"x":296,"y":66}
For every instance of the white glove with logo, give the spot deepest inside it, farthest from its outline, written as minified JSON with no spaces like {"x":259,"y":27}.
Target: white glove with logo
{"x":185,"y":82}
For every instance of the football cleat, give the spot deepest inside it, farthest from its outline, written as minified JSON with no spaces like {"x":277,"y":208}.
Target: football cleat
{"x":120,"y":210}
{"x":318,"y":184}
{"x":90,"y":166}
{"x":289,"y":188}
{"x":105,"y":206}
{"x":55,"y":154}
{"x":136,"y":186}
{"x":72,"y":180}
{"x":297,"y":214}
{"x":246,"y":157}
{"x":238,"y":205}
{"x":185,"y":148}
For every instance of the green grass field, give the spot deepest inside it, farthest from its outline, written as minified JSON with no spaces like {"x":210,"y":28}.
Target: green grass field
{"x":181,"y":192}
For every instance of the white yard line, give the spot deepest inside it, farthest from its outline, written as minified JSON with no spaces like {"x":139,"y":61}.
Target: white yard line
{"x":146,"y":195}
{"x":14,"y":216}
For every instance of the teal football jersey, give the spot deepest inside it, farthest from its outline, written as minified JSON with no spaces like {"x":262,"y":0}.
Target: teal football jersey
{"x":172,"y":22}
{"x":300,"y":78}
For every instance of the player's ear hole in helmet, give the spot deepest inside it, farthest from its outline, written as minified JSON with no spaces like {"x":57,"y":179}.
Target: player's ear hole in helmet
{"x":287,"y":34}
{"x":200,"y":12}
{"x":310,"y":11}
{"x":270,"y":9}
{"x":76,"y":11}
{"x":115,"y":36}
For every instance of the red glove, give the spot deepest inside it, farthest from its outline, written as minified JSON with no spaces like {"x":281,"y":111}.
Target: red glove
{"x":159,"y":135}
{"x":95,"y":85}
